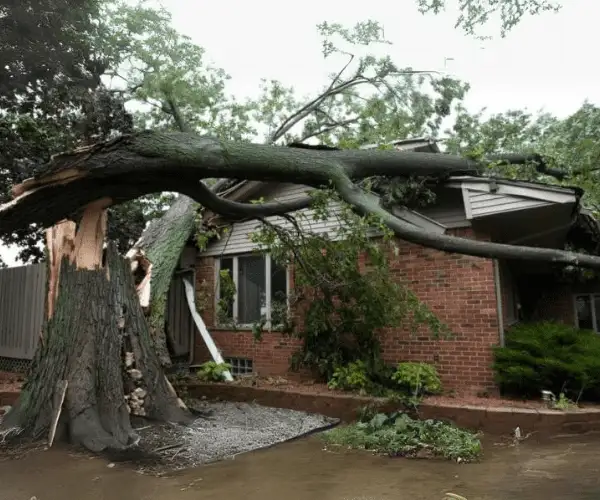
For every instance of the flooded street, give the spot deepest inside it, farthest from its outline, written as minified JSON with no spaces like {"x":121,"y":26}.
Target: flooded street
{"x":563,"y":468}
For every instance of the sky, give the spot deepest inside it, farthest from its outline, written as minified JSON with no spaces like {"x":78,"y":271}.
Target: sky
{"x":542,"y":64}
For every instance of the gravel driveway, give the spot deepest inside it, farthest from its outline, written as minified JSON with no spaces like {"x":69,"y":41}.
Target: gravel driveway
{"x":225,"y":430}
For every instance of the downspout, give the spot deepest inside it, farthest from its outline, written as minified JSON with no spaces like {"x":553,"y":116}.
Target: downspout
{"x":208,"y":340}
{"x":498,"y":287}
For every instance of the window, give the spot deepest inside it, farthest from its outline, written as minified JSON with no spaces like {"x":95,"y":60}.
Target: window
{"x":239,"y":366}
{"x":261,"y":285}
{"x":587,"y":311}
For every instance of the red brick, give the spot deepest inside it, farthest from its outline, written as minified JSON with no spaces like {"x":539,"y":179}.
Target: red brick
{"x":459,"y":289}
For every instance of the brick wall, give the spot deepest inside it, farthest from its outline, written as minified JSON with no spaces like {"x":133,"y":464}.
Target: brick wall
{"x":459,"y":289}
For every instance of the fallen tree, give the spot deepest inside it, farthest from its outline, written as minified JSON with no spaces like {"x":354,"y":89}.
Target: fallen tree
{"x":154,"y":259}
{"x":95,"y":364}
{"x":96,"y":332}
{"x":147,"y":162}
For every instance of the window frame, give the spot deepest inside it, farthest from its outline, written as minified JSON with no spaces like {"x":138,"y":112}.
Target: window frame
{"x":591,"y":296}
{"x":240,"y":366}
{"x":235,"y":261}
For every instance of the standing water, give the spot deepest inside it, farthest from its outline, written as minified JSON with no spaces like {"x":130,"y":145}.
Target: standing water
{"x":562,"y":468}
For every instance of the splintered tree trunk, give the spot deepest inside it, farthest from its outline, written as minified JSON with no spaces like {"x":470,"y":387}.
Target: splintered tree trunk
{"x":96,"y":344}
{"x":154,"y":260}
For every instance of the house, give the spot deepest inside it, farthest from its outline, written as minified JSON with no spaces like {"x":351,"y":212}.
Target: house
{"x":477,"y":298}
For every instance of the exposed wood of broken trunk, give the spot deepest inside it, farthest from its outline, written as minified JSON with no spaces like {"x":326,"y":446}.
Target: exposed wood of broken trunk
{"x":154,"y":259}
{"x":97,"y":344}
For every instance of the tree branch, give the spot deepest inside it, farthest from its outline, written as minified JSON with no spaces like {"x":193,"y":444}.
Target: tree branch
{"x":174,"y":112}
{"x":309,"y":107}
{"x":331,"y":91}
{"x":536,"y":159}
{"x":233,"y":210}
{"x":365,"y":204}
{"x":328,"y":127}
{"x":150,"y":161}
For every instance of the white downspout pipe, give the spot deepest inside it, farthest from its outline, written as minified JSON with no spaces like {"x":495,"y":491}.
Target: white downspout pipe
{"x":210,"y":343}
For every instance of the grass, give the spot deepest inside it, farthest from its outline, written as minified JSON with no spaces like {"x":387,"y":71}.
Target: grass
{"x":399,"y":435}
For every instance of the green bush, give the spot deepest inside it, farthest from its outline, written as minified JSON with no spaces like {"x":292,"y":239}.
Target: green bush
{"x":418,"y":379}
{"x":211,"y":371}
{"x":549,"y":356}
{"x":346,"y":284}
{"x":400,"y":435}
{"x":352,"y":377}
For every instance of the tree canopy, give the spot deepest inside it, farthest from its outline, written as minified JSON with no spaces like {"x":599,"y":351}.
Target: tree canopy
{"x":474,"y":14}
{"x":121,"y":53}
{"x":51,"y":92}
{"x":569,"y":145}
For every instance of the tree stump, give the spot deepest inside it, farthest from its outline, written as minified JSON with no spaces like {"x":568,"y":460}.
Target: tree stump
{"x":96,"y":341}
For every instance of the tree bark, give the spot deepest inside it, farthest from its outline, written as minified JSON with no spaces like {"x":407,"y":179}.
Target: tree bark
{"x":155,"y":257}
{"x":96,"y":342}
{"x":146,"y":162}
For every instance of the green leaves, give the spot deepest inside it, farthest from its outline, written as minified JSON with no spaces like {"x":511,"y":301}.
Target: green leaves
{"x":368,"y":99}
{"x":346,"y":282}
{"x":399,"y":435}
{"x":549,"y":356}
{"x":153,"y":63}
{"x":353,"y":377}
{"x":475,"y":14}
{"x":211,"y":371}
{"x":418,"y":379}
{"x":362,"y":33}
{"x":570,"y":144}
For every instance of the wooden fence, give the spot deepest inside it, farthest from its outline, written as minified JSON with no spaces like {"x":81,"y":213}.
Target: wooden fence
{"x":22,"y":298}
{"x":22,"y":301}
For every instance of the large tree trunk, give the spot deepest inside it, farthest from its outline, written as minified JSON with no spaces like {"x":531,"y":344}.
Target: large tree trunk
{"x":96,"y":343}
{"x":147,"y":162}
{"x":154,"y":259}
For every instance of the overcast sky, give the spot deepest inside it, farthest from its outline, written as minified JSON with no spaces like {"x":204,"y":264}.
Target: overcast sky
{"x":544,"y":63}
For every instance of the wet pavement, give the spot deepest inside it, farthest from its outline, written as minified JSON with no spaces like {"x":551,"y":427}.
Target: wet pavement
{"x":562,"y":468}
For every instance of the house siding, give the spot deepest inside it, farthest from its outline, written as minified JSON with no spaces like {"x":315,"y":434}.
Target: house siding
{"x":483,"y":204}
{"x":448,"y":211}
{"x":483,"y":198}
{"x":459,"y":289}
{"x":237,"y":240}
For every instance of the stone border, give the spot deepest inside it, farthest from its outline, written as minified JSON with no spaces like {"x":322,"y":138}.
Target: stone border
{"x":490,"y":420}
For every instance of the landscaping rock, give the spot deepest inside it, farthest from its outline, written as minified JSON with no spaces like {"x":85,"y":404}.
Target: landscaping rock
{"x":224,"y":430}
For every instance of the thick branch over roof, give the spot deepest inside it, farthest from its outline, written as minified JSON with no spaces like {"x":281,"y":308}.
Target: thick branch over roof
{"x":150,"y":161}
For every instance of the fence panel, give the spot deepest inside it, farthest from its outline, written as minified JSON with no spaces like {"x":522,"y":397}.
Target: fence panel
{"x":22,"y":299}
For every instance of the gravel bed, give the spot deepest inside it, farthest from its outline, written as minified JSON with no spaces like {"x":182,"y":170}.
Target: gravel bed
{"x":223,"y":430}
{"x":220,"y":431}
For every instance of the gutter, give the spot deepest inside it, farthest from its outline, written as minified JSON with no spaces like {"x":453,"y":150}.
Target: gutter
{"x":575,"y":190}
